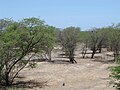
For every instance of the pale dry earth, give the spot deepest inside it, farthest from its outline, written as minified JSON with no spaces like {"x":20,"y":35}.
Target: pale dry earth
{"x":87,"y":74}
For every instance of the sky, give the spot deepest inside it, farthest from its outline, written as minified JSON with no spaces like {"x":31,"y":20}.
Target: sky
{"x":85,"y":14}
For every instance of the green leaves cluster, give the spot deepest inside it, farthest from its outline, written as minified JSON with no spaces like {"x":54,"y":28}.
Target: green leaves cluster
{"x":18,"y":39}
{"x":116,"y":75}
{"x":69,"y":40}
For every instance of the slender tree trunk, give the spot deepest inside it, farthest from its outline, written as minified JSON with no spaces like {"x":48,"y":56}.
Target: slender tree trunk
{"x":7,"y":78}
{"x":7,"y":81}
{"x":83,"y":56}
{"x":85,"y":49}
{"x":49,"y":55}
{"x":84,"y":53}
{"x":100,"y":49}
{"x":71,"y":56}
{"x":71,"y":60}
{"x":116,"y":55}
{"x":93,"y":53}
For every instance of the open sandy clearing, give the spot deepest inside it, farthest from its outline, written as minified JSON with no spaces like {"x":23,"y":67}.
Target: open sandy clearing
{"x":85,"y":75}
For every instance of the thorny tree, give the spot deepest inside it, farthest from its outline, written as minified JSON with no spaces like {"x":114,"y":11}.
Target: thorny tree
{"x":17,"y":41}
{"x":69,"y":40}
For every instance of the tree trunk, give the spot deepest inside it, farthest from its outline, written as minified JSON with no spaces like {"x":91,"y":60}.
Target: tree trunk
{"x":7,"y":78}
{"x":71,"y":56}
{"x":71,"y":60}
{"x":116,"y":56}
{"x":84,"y":53}
{"x":100,"y":49}
{"x":49,"y":55}
{"x":7,"y":81}
{"x":93,"y":53}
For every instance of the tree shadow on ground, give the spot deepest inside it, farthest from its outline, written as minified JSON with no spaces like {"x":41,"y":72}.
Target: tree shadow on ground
{"x":20,"y":77}
{"x":60,"y":62}
{"x":104,"y":61}
{"x":26,"y":84}
{"x":89,"y":57}
{"x":39,"y":60}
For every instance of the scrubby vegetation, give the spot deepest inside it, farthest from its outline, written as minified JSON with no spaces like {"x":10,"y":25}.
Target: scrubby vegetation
{"x":21,"y":40}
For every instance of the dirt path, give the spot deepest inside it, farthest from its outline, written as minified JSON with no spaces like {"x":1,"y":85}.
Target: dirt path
{"x":85,"y":75}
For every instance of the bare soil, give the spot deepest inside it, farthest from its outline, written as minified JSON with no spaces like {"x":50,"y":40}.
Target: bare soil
{"x":87,"y":74}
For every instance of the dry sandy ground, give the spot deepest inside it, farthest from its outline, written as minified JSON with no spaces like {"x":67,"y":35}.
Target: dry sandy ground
{"x":87,"y":74}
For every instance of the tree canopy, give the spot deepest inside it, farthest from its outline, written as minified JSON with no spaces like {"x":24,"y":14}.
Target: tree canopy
{"x":18,"y":39}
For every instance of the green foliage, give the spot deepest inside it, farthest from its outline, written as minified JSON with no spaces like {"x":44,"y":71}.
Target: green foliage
{"x":18,"y":40}
{"x":83,"y":35}
{"x":69,"y":40}
{"x":113,"y":44}
{"x":116,"y":75}
{"x":95,"y":40}
{"x":114,"y":41}
{"x":116,"y":72}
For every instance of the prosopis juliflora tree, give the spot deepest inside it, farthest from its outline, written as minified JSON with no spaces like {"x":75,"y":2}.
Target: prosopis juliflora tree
{"x":17,"y":41}
{"x":69,"y":40}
